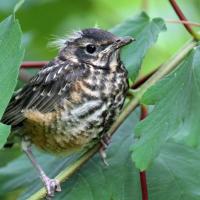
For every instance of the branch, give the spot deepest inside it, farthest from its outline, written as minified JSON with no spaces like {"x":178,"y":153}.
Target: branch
{"x":164,"y":69}
{"x":143,"y":184}
{"x":23,"y":75}
{"x":142,"y":80}
{"x":143,"y":179}
{"x":39,"y":64}
{"x":33,"y":64}
{"x":181,"y":16}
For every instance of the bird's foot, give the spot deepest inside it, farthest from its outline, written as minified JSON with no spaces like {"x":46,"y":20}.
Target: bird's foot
{"x":105,"y":141}
{"x":52,"y":186}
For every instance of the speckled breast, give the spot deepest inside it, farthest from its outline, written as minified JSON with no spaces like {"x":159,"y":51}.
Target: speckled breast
{"x":88,"y":111}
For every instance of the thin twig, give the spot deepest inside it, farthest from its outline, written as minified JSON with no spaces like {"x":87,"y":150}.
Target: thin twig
{"x":173,"y":21}
{"x":145,"y":5}
{"x":142,"y":79}
{"x":23,"y":75}
{"x":33,"y":64}
{"x":164,"y":69}
{"x":181,"y":16}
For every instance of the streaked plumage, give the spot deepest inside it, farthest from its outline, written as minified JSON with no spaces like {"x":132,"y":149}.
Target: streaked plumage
{"x":76,"y":97}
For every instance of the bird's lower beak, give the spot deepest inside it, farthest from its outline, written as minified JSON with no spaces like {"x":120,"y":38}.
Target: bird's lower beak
{"x":124,"y":41}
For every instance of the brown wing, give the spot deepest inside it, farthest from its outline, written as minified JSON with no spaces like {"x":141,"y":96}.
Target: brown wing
{"x":44,"y":91}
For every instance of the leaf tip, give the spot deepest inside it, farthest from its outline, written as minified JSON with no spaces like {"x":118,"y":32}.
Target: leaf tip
{"x":17,"y":6}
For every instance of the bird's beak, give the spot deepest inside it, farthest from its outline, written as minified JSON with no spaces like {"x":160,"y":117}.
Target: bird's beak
{"x":120,"y":42}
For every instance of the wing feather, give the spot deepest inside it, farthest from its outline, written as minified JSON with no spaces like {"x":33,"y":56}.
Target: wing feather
{"x":44,"y":91}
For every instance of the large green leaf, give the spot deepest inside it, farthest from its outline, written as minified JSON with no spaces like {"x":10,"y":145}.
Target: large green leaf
{"x":117,"y":181}
{"x":176,"y":112}
{"x":11,"y":54}
{"x":146,"y":32}
{"x":174,"y":174}
{"x":93,"y":181}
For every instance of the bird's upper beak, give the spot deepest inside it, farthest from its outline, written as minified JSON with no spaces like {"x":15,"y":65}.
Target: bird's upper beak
{"x":120,"y":42}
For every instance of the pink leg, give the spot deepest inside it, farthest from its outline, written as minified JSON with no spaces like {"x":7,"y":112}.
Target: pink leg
{"x":51,"y":185}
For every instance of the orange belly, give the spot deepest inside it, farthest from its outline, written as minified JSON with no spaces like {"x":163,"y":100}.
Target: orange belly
{"x":43,"y":132}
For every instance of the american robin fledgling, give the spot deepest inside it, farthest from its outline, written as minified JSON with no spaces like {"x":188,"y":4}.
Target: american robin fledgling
{"x":72,"y":100}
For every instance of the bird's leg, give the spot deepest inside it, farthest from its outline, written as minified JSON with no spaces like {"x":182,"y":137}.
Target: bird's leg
{"x":51,"y":185}
{"x":105,"y":141}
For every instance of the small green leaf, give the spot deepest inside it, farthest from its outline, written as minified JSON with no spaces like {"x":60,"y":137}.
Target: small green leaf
{"x":176,"y":113}
{"x":11,"y":54}
{"x":146,"y":32}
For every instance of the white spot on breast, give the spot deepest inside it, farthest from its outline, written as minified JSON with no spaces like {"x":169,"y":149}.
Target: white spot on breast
{"x":97,"y":113}
{"x":82,"y":125}
{"x":85,"y":107}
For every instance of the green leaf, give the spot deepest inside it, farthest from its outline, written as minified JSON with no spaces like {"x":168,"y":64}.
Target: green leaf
{"x":171,"y":176}
{"x":146,"y":32}
{"x":176,"y":112}
{"x":93,"y":181}
{"x":175,"y":174}
{"x":11,"y":54}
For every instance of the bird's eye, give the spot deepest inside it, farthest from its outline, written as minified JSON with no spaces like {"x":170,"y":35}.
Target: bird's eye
{"x":90,"y":48}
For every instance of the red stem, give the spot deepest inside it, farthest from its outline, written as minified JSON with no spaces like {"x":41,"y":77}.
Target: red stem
{"x":182,"y":17}
{"x":39,"y":64}
{"x":33,"y":64}
{"x":143,"y":179}
{"x":143,"y":112}
{"x":143,"y":184}
{"x":140,"y":81}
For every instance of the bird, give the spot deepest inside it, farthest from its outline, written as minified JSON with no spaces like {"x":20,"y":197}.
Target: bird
{"x":73,"y":100}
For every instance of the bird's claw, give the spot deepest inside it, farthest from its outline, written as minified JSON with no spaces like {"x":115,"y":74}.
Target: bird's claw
{"x":52,"y":186}
{"x":105,"y":141}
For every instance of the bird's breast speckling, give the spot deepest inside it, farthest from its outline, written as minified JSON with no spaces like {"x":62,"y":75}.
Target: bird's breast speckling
{"x":88,"y":111}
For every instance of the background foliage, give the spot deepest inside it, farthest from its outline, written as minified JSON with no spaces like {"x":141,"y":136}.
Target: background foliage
{"x":175,"y":172}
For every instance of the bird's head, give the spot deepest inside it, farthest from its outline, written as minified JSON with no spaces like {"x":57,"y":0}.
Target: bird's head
{"x":93,"y":46}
